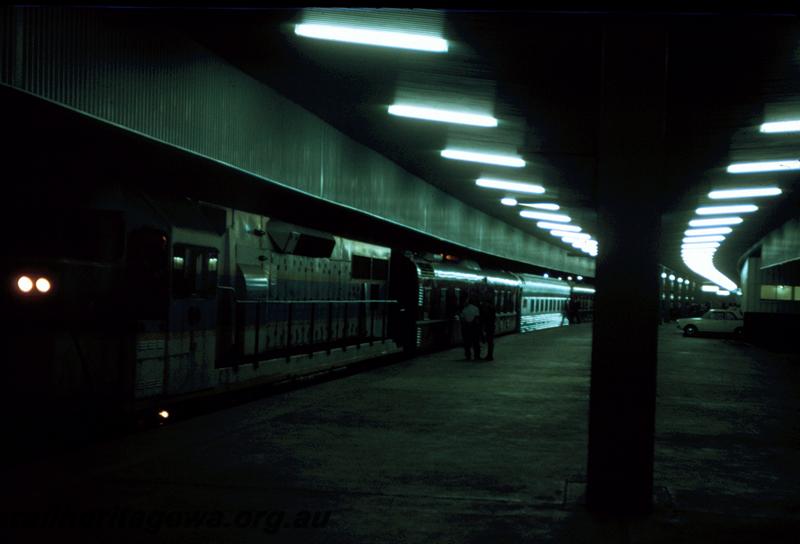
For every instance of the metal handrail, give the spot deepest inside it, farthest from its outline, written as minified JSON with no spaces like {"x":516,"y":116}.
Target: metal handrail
{"x":380,"y":301}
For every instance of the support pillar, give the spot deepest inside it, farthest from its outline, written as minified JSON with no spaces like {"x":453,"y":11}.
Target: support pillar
{"x":629,"y":196}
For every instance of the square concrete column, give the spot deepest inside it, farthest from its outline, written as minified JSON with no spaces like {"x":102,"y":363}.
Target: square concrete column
{"x":629,"y":181}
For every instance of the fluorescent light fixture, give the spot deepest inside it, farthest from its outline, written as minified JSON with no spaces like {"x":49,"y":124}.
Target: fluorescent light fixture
{"x":444,"y":116}
{"x":744,"y":193}
{"x":687,"y":248}
{"x":723,"y":292}
{"x":700,"y":239}
{"x":544,"y":216}
{"x":704,"y":232}
{"x":568,"y":234}
{"x":719,"y":210}
{"x":781,"y":126}
{"x":486,"y":158}
{"x":548,"y":225}
{"x":366,"y":36}
{"x":709,"y":288}
{"x":705,"y":245}
{"x":763,"y":166}
{"x":508,"y":201}
{"x":701,"y":262}
{"x":514,"y":186}
{"x":715,"y":221}
{"x":580,"y":278}
{"x":543,"y":206}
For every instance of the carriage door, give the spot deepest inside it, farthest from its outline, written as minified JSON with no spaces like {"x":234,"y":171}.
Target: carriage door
{"x":193,"y":311}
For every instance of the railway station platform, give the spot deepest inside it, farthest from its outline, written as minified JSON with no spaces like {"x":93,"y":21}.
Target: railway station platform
{"x":439,"y":449}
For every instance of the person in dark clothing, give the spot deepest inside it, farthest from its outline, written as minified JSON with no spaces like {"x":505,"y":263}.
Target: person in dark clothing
{"x":470,"y":330}
{"x":488,"y":317}
{"x":574,"y":311}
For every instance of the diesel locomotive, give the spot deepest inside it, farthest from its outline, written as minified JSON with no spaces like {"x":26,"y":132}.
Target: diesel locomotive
{"x":124,"y":303}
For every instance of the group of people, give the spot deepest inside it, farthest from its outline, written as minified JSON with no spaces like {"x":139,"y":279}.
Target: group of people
{"x":477,"y":323}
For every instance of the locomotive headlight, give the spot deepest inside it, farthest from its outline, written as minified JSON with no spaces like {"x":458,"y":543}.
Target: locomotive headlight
{"x":24,"y":284}
{"x":43,"y":285}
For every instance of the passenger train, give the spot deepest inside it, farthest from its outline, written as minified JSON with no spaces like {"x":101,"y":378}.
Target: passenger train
{"x":130,"y":303}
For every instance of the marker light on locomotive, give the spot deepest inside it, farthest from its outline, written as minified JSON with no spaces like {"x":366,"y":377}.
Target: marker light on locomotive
{"x":25,"y":284}
{"x":43,"y":285}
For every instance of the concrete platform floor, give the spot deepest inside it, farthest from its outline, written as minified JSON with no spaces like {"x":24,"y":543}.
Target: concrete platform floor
{"x":438,"y":449}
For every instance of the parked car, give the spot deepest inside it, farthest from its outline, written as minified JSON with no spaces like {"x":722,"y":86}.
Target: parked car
{"x":713,"y":321}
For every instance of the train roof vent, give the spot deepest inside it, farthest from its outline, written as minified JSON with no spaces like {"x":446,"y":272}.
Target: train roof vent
{"x":425,"y":270}
{"x":288,"y":238}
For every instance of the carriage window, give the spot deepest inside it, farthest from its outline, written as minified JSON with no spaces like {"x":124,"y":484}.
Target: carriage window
{"x":194,"y":271}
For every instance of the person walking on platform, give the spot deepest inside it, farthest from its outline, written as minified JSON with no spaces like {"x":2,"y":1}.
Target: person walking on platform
{"x":470,"y":330}
{"x":574,"y":311}
{"x":487,"y":318}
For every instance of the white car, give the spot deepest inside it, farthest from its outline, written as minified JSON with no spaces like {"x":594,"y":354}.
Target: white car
{"x":717,"y":321}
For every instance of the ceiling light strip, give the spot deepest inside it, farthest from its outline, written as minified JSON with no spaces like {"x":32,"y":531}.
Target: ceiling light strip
{"x":367,"y":36}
